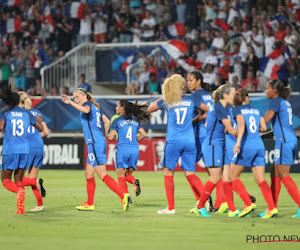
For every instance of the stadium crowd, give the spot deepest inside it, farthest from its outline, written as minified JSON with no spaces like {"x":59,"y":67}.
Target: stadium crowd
{"x":227,"y":39}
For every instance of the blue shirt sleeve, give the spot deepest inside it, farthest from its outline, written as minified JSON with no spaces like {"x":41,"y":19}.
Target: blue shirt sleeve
{"x":275,"y":104}
{"x":114,"y":125}
{"x":31,"y":117}
{"x":161,"y":104}
{"x":236,"y":111}
{"x":220,"y":112}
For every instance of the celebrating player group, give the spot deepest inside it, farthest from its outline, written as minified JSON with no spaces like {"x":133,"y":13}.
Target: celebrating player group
{"x":222,"y":128}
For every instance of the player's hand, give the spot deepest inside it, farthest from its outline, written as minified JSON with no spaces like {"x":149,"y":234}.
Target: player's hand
{"x":66,"y":99}
{"x":236,"y":149}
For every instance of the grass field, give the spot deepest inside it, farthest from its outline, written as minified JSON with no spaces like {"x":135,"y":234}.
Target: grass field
{"x":61,"y":226}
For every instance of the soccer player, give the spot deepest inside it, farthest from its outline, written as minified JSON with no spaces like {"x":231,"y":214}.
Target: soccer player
{"x":90,"y":116}
{"x":15,"y":121}
{"x":128,"y":125}
{"x":213,"y":146}
{"x":280,"y":113}
{"x":180,"y":139}
{"x":202,"y":98}
{"x":36,"y":153}
{"x":250,"y":152}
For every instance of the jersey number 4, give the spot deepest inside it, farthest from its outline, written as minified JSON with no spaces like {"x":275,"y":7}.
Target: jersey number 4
{"x":180,"y":115}
{"x":129,"y":134}
{"x":18,"y":127}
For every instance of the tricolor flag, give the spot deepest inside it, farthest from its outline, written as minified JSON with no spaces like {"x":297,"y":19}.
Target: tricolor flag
{"x":175,"y":30}
{"x":9,"y":3}
{"x":242,"y":13}
{"x":175,"y":48}
{"x":295,"y":6}
{"x":119,"y":21}
{"x":11,"y":25}
{"x":277,"y":18}
{"x":48,"y":18}
{"x":218,"y":24}
{"x":189,"y":64}
{"x":30,"y":13}
{"x":270,"y":65}
{"x":75,"y":10}
{"x":129,"y":59}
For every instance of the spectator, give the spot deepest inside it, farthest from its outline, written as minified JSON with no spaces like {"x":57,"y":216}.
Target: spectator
{"x":279,"y":32}
{"x":5,"y":71}
{"x":147,"y":26}
{"x":85,"y":30}
{"x":290,"y":39}
{"x":212,"y":58}
{"x":251,"y":63}
{"x":83,"y":84}
{"x":152,"y":86}
{"x":218,"y":42}
{"x":256,"y":40}
{"x":250,"y":83}
{"x":180,"y":10}
{"x":128,"y":20}
{"x":209,"y":76}
{"x":234,"y":81}
{"x":159,"y":12}
{"x":29,"y":67}
{"x":137,"y":33}
{"x":210,"y":10}
{"x":142,"y":77}
{"x":63,"y":34}
{"x":224,"y":70}
{"x":100,"y":24}
{"x":269,"y":42}
{"x":203,"y":53}
{"x":66,"y":91}
{"x":18,"y":69}
{"x":55,"y":91}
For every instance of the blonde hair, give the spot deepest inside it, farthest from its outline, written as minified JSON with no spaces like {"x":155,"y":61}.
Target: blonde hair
{"x":24,"y":99}
{"x":218,"y":94}
{"x":172,"y":89}
{"x":89,"y":96}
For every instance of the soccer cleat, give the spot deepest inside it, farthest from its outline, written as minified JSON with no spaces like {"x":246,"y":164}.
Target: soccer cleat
{"x":297,"y":215}
{"x":20,"y":211}
{"x":223,"y":208}
{"x":166,"y":211}
{"x":247,"y":210}
{"x":202,"y":211}
{"x":262,"y":214}
{"x":38,"y":209}
{"x":137,"y":187}
{"x":194,"y":210}
{"x":129,"y":199}
{"x":234,"y":213}
{"x":42,"y":189}
{"x":211,"y":205}
{"x":86,"y":207}
{"x":270,"y":214}
{"x":125,"y":202}
{"x":253,"y":199}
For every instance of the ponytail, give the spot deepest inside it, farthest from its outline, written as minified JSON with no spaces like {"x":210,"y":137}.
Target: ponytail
{"x":89,"y":97}
{"x":220,"y":91}
{"x":24,"y":99}
{"x":206,"y":87}
{"x":9,"y":98}
{"x":240,"y":96}
{"x":283,"y":91}
{"x":136,"y":111}
{"x":172,"y":89}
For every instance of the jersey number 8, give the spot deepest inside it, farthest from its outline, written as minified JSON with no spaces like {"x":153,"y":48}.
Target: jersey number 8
{"x":252,"y":124}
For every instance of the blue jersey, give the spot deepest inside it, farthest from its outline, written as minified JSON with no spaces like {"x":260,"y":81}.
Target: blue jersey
{"x":180,"y":120}
{"x":230,"y":139}
{"x":34,"y":137}
{"x":91,"y":124}
{"x":127,"y":130}
{"x":17,"y":121}
{"x":215,"y":128}
{"x":282,"y":121}
{"x":252,"y":117}
{"x":198,"y":97}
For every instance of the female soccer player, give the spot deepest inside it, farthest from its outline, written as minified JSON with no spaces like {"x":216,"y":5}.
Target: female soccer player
{"x":280,"y":113}
{"x":15,"y":122}
{"x":250,"y":152}
{"x":128,"y":125}
{"x":35,"y":158}
{"x":180,"y":140}
{"x":214,"y":144}
{"x":90,"y":116}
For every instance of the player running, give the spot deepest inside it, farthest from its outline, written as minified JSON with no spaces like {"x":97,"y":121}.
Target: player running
{"x":127,"y":126}
{"x":280,"y":113}
{"x":15,"y":122}
{"x":180,"y":139}
{"x":90,"y":116}
{"x":250,"y":152}
{"x":36,"y":153}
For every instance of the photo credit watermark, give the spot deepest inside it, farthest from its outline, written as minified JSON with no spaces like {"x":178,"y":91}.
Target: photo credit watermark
{"x":269,"y":238}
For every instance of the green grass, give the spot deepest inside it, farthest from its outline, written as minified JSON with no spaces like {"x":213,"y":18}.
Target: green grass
{"x":61,"y":226}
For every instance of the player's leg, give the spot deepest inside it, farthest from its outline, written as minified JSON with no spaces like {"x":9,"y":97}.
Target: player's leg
{"x":7,"y":182}
{"x":32,"y":175}
{"x":227,"y":185}
{"x":275,"y":183}
{"x":18,"y":176}
{"x":121,"y":179}
{"x":259,"y":176}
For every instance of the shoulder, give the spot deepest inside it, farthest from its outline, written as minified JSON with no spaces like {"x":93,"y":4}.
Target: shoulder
{"x":88,"y":103}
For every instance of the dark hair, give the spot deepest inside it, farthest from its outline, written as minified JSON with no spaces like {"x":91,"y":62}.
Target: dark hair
{"x":283,"y":91}
{"x":136,"y":111}
{"x":240,"y":96}
{"x":152,"y":74}
{"x":198,"y":75}
{"x":9,"y":98}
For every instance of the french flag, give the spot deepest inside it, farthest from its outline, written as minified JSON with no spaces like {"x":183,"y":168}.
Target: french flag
{"x":270,"y":65}
{"x":175,"y":30}
{"x":30,"y":13}
{"x":295,"y":9}
{"x":218,"y":24}
{"x":9,"y":3}
{"x":242,"y":13}
{"x":129,"y":59}
{"x":11,"y":25}
{"x":48,"y":18}
{"x":119,"y":21}
{"x":189,"y":64}
{"x":175,"y":48}
{"x":75,"y":10}
{"x":277,"y":18}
